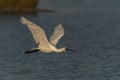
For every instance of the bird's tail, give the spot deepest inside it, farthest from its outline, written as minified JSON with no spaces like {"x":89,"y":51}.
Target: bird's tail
{"x":31,"y":51}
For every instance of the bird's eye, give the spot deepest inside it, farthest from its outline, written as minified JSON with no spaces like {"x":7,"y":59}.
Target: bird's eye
{"x":66,"y":49}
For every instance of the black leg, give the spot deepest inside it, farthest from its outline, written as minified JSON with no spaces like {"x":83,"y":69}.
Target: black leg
{"x":28,"y":52}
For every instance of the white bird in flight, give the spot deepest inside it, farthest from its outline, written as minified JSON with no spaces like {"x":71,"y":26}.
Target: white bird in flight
{"x":40,"y":38}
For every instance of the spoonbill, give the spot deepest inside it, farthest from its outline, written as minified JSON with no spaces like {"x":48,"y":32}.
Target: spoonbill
{"x":40,"y":38}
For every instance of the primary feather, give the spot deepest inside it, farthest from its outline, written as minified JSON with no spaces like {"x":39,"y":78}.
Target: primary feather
{"x":58,"y":33}
{"x":37,"y":32}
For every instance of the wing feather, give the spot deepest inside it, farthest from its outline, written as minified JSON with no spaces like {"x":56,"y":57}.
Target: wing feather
{"x":37,"y":32}
{"x":58,"y":33}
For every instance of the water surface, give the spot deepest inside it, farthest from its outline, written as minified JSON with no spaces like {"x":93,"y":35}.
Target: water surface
{"x":92,"y":27}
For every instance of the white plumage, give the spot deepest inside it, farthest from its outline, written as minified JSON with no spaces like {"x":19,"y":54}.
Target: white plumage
{"x":58,"y":33}
{"x":40,"y":37}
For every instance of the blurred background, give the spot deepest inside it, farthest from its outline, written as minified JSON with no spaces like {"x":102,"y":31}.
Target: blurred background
{"x":18,"y":5}
{"x":92,"y":27}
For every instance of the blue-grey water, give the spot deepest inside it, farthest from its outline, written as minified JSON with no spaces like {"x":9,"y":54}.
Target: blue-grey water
{"x":92,"y":27}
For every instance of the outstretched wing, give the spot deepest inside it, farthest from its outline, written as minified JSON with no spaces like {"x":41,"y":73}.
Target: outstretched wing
{"x":58,"y":33}
{"x":37,"y":32}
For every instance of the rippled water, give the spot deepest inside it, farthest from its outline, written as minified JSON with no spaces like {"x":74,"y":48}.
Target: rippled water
{"x":92,"y":27}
